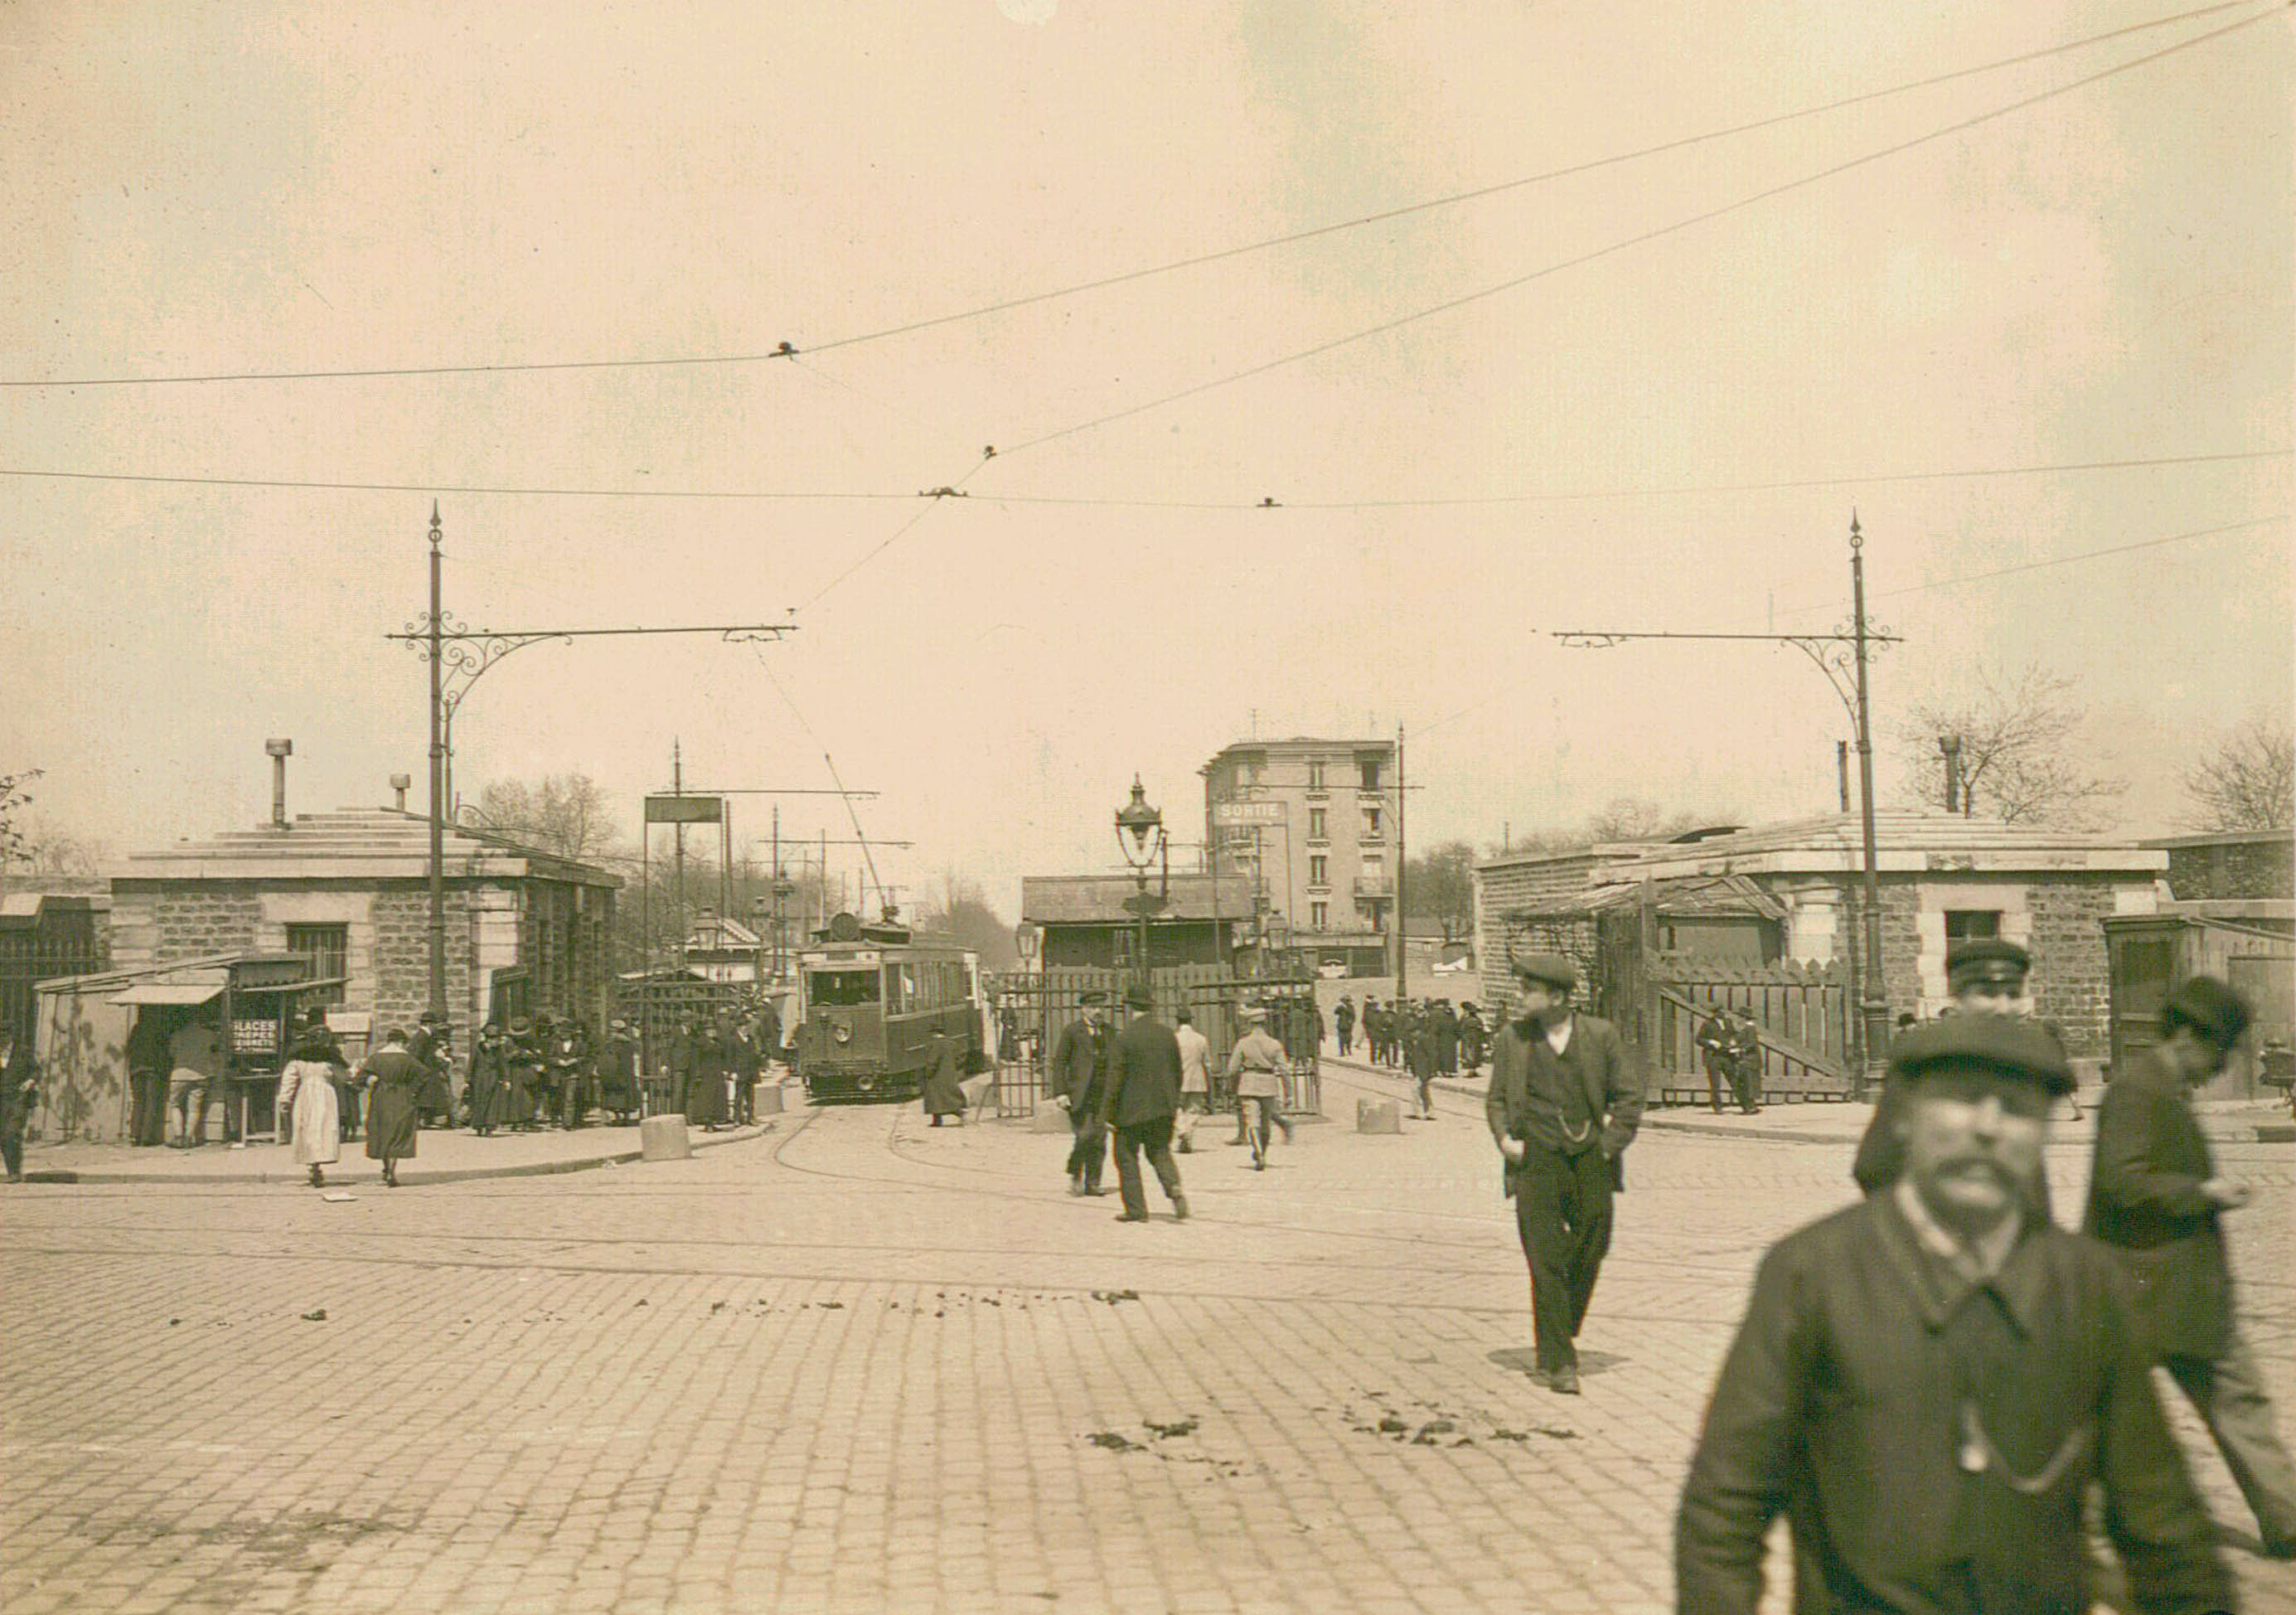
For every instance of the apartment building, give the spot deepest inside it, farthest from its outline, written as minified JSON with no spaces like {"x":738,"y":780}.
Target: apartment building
{"x":1308,"y":826}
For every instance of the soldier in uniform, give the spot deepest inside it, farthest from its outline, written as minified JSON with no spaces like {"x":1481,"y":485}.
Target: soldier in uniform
{"x":1562,"y":1107}
{"x":1078,"y":1081}
{"x":1929,"y":1383}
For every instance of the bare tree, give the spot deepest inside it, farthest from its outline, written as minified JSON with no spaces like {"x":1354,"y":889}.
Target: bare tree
{"x":2246,"y":780}
{"x":1632,"y":818}
{"x":47,"y":848}
{"x":14,"y":800}
{"x":960,"y":912}
{"x":2018,"y":734}
{"x":1441,"y":882}
{"x":564,"y":813}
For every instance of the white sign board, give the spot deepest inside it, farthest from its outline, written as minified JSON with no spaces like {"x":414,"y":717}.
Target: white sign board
{"x":1233,"y":814}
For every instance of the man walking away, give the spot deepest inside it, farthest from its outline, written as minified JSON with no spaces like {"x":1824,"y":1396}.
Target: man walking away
{"x":1255,"y":1067}
{"x":2156,"y":1200}
{"x":1077,"y":1080}
{"x":1562,"y":1107}
{"x":1929,"y":1383}
{"x":1343,"y":1019}
{"x":1144,"y":1094}
{"x":1195,"y":1079}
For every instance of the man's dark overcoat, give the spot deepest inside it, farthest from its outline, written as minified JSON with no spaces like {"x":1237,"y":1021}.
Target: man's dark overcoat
{"x":1546,"y":1101}
{"x":1930,"y":1441}
{"x":2144,"y":1200}
{"x":1144,"y":1074}
{"x":1080,"y":1066}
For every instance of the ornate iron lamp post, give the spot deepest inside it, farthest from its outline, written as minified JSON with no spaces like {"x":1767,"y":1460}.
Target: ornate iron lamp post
{"x":1140,"y":836}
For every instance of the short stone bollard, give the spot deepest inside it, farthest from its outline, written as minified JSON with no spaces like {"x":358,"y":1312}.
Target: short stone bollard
{"x":1378,"y":1116}
{"x":663,"y":1138}
{"x":769,"y":1101}
{"x":1049,"y":1118}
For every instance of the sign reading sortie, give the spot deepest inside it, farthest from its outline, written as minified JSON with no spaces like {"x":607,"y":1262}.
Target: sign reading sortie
{"x":1230,"y":816}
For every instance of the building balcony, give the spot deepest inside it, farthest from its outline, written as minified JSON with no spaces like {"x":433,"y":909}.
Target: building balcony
{"x":1374,"y":886}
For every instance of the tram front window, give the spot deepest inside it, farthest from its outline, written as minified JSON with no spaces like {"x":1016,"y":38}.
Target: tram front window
{"x":841,"y":988}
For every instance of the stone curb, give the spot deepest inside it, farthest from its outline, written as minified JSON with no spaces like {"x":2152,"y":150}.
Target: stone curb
{"x":408,"y":1177}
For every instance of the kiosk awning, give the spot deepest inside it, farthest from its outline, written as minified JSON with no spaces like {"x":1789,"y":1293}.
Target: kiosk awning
{"x":170,"y":992}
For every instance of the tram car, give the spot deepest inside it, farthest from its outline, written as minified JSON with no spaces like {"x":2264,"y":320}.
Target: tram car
{"x":869,"y":999}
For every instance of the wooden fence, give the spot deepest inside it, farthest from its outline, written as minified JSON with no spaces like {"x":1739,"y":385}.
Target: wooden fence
{"x":1802,"y":1011}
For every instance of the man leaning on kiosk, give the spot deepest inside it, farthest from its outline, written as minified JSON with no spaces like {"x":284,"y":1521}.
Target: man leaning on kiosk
{"x":1562,"y":1107}
{"x":1927,"y":1383}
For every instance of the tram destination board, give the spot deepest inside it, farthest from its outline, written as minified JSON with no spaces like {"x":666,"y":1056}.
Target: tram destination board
{"x":685,"y":810}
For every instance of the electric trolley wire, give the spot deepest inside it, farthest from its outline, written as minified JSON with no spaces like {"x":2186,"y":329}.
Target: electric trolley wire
{"x":1480,"y":294}
{"x":2057,"y":561}
{"x":787,"y":351}
{"x":1624,"y":491}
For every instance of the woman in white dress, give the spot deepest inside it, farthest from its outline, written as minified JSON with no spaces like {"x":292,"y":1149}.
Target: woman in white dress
{"x":306,"y":1097}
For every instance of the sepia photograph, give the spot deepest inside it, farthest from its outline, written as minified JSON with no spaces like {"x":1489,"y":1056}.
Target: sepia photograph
{"x":1147,"y":810}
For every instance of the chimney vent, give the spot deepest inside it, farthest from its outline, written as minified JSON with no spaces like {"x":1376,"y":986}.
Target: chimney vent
{"x":280,"y":750}
{"x":399,"y":783}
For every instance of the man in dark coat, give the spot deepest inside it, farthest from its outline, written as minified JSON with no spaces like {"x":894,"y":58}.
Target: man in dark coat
{"x":942,"y":1089}
{"x":1475,"y":1039}
{"x":1927,"y":1383}
{"x":429,"y":1047}
{"x":1745,"y":1060}
{"x":1344,"y":1019}
{"x":1077,"y":1080}
{"x":2156,"y":1198}
{"x":1143,"y":1095}
{"x":1562,"y":1107}
{"x":1714,"y":1047}
{"x":1447,"y":1038}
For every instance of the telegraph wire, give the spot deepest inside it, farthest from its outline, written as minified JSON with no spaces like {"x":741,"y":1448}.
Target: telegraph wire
{"x":1267,"y":503}
{"x":788,"y":350}
{"x":2036,"y":566}
{"x":1482,"y":294}
{"x":932,"y":498}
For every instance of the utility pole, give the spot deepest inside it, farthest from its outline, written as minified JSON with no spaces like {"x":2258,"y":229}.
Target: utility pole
{"x":677,"y":788}
{"x":1402,"y":931}
{"x":1842,"y":656}
{"x":1876,"y":1003}
{"x":438,"y":787}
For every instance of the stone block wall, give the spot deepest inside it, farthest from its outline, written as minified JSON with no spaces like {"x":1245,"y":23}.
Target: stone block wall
{"x":402,"y":958}
{"x":2072,"y":973}
{"x":1518,"y":887}
{"x":158,"y":926}
{"x":2230,"y":868}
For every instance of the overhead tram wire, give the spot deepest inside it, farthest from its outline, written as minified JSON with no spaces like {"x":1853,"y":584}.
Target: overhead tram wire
{"x":1661,"y":490}
{"x":791,"y":351}
{"x":1480,"y":294}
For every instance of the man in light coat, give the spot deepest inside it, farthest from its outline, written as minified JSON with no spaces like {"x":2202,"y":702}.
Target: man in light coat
{"x":1195,"y":1079}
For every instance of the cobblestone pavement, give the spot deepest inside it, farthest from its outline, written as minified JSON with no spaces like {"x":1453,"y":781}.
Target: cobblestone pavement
{"x":860,"y":1364}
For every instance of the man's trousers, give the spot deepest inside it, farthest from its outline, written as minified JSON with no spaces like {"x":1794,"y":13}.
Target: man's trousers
{"x":2228,"y":1394}
{"x":1089,"y":1153}
{"x":1563,"y":1212}
{"x":1156,"y":1138}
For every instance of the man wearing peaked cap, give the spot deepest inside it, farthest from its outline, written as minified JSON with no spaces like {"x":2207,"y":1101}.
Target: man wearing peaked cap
{"x":2158,"y":1201}
{"x":1562,"y":1106}
{"x":1929,"y":1383}
{"x":1985,"y":976}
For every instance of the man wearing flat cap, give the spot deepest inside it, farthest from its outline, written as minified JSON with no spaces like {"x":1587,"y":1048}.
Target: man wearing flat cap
{"x":1077,"y":1080}
{"x":1927,"y":1384}
{"x":1984,"y":976}
{"x":2156,"y":1198}
{"x":1142,"y":1096}
{"x":1563,"y":1104}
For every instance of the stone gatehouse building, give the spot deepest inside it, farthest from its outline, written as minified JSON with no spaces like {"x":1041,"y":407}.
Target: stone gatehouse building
{"x":349,"y":890}
{"x":1792,"y":891}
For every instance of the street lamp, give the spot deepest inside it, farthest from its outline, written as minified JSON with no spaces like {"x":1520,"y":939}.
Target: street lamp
{"x":1140,"y":837}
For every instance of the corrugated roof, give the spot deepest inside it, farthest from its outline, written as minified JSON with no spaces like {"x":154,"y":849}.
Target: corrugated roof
{"x":1099,"y":899}
{"x":355,"y":843}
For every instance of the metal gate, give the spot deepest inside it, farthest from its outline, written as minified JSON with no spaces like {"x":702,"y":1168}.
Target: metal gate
{"x":1028,"y":1010}
{"x":41,"y":939}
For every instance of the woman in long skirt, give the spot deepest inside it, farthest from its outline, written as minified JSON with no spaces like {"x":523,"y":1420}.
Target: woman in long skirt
{"x":306,"y":1098}
{"x":396,"y":1080}
{"x":944,"y":1076}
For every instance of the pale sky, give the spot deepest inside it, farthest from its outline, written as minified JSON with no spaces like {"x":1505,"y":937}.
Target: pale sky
{"x":2102,"y":276}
